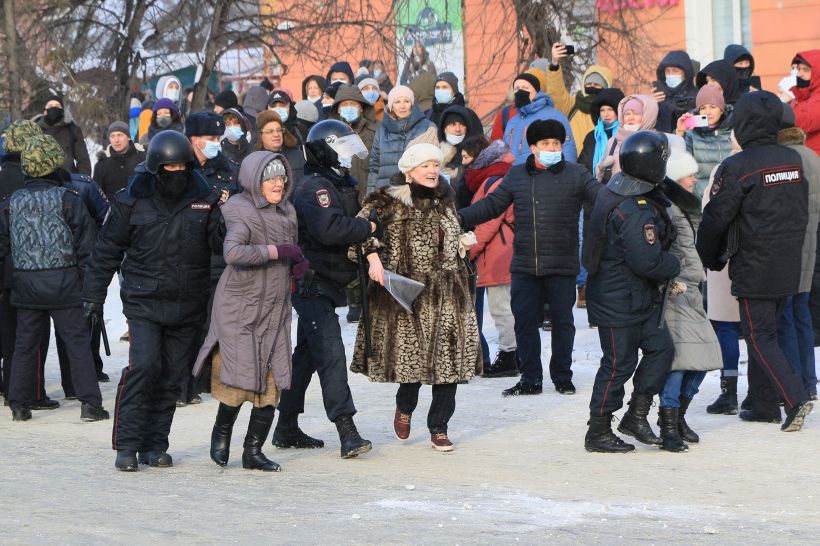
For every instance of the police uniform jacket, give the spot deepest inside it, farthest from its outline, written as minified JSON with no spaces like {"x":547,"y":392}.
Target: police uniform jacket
{"x":222,"y":174}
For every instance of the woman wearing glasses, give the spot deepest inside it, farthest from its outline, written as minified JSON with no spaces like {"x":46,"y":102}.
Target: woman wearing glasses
{"x":275,"y":137}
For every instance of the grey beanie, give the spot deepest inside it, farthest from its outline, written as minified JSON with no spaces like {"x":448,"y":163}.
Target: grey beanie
{"x":119,"y":127}
{"x":274,"y":168}
{"x":306,"y":110}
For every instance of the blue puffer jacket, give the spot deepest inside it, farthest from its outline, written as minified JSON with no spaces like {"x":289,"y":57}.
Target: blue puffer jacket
{"x":709,"y":148}
{"x":515,"y":136}
{"x":391,"y":140}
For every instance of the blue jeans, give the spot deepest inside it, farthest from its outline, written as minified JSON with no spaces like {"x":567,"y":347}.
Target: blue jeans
{"x":479,"y":315}
{"x":680,"y":384}
{"x":581,"y":280}
{"x":796,"y":338}
{"x":728,"y":334}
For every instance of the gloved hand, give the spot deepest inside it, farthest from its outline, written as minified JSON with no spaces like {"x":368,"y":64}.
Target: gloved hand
{"x":92,"y":311}
{"x":378,"y":233}
{"x":300,"y":267}
{"x":289,"y":252}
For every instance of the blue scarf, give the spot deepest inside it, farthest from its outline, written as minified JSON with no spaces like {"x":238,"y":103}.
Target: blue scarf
{"x":601,"y":137}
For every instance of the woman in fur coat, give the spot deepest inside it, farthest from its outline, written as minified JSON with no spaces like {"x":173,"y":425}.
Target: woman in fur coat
{"x":438,"y":343}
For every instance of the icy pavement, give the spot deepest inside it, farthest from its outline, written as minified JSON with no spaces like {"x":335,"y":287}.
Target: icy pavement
{"x":519,"y":475}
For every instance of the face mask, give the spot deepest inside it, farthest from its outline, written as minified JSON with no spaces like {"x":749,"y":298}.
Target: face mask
{"x":802,"y":84}
{"x":343,"y":82}
{"x":521,"y":98}
{"x":235,"y":133}
{"x":164,"y":121}
{"x":633,"y":127}
{"x":53,"y":115}
{"x":345,"y":162}
{"x":314,"y":98}
{"x":590,"y":90}
{"x":172,"y":94}
{"x":172,"y":183}
{"x":743,"y":73}
{"x":443,"y":96}
{"x":673,"y":81}
{"x":211,"y":149}
{"x":371,"y":96}
{"x":283,"y":113}
{"x":377,"y":73}
{"x":455,"y":140}
{"x":349,"y":113}
{"x":793,"y":73}
{"x":548,"y":158}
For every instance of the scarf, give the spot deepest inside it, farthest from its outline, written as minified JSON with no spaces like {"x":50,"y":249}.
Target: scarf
{"x":584,"y":102}
{"x":601,"y":138}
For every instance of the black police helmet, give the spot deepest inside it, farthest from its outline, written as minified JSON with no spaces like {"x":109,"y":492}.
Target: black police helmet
{"x":644,"y":154}
{"x":168,"y":148}
{"x":318,"y":150}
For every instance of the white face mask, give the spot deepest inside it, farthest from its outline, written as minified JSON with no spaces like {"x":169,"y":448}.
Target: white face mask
{"x":633,"y":127}
{"x":455,"y":140}
{"x":172,"y":94}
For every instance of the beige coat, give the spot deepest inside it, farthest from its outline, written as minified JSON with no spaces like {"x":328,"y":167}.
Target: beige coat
{"x":721,"y":305}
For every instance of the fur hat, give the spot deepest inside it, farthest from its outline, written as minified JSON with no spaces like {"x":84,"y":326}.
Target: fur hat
{"x":547,"y":128}
{"x":417,"y":154}
{"x":680,"y":165}
{"x":204,"y":124}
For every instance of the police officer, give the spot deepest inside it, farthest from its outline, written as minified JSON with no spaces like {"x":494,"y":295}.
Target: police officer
{"x":326,"y":202}
{"x":166,"y":225}
{"x":758,"y":208}
{"x":47,"y":233}
{"x":204,"y":130}
{"x":626,"y":253}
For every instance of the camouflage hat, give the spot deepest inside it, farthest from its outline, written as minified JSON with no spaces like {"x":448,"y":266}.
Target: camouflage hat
{"x":18,"y":132}
{"x":41,"y":156}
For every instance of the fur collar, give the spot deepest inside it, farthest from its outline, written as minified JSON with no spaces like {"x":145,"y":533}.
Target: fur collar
{"x":493,"y":153}
{"x":413,"y":195}
{"x":686,"y":201}
{"x":791,"y":136}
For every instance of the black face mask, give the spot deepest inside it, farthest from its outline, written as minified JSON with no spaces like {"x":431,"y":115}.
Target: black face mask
{"x":521,"y":98}
{"x":172,"y":183}
{"x":802,"y":84}
{"x":591,"y":90}
{"x":54,"y":114}
{"x":743,"y":73}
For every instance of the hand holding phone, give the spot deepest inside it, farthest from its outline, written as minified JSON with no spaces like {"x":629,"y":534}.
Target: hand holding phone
{"x":696,"y":121}
{"x":570,"y":49}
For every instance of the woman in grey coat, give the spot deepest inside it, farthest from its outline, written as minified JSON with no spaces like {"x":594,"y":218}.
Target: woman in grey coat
{"x":249,"y":337}
{"x":696,"y":346}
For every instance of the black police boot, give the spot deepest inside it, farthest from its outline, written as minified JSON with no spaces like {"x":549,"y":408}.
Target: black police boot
{"x":90,"y":413}
{"x":670,"y":437}
{"x":221,"y":434}
{"x":752,"y":416}
{"x":504,"y":365}
{"x":159,"y":459}
{"x":44,"y":404}
{"x":522,"y":389}
{"x":288,"y":434}
{"x":20,"y":414}
{"x":726,"y":403}
{"x":126,"y":461}
{"x":258,"y":429}
{"x":601,"y":439}
{"x":634,"y":420}
{"x":796,"y":416}
{"x":686,"y":433}
{"x":747,"y":403}
{"x":352,"y":444}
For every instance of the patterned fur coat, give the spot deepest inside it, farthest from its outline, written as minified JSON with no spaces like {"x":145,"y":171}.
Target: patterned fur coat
{"x":438,"y":343}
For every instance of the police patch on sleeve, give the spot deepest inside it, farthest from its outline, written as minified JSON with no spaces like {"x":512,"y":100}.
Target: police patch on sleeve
{"x":649,"y":234}
{"x":200,"y":206}
{"x":323,"y":198}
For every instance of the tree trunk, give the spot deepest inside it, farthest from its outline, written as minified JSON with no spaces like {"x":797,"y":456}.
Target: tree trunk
{"x":15,"y":96}
{"x":221,"y":10}
{"x":125,"y":56}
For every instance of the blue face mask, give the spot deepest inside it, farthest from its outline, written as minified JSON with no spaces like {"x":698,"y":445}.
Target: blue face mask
{"x":673,"y":81}
{"x":443,"y":96}
{"x":371,"y":96}
{"x":283,"y":113}
{"x":349,"y":113}
{"x":377,"y":73}
{"x":234,"y":133}
{"x":345,"y":162}
{"x":609,"y":124}
{"x":548,"y":158}
{"x":211,"y":149}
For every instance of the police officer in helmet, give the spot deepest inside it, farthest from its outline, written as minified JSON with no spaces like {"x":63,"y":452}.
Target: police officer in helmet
{"x":626,"y":253}
{"x":166,"y":224}
{"x":326,"y":202}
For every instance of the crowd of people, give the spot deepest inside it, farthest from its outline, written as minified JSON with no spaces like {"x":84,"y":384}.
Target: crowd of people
{"x":682,"y":217}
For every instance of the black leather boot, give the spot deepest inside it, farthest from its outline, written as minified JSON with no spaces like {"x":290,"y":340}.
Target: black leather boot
{"x":726,"y":403}
{"x":352,"y":444}
{"x":504,"y":365}
{"x":670,"y":437}
{"x":288,"y":434}
{"x":686,"y":433}
{"x":258,"y":429}
{"x":221,"y":435}
{"x":126,"y":461}
{"x":634,"y":420}
{"x":601,"y":439}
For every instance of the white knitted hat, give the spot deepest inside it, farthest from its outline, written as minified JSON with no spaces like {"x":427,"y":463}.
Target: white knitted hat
{"x":417,"y":154}
{"x":680,"y":165}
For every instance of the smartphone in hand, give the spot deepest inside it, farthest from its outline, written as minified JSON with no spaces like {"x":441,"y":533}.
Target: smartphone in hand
{"x":570,"y":50}
{"x":696,"y":121}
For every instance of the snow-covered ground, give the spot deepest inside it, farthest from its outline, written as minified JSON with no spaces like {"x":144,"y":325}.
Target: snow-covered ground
{"x":519,"y":475}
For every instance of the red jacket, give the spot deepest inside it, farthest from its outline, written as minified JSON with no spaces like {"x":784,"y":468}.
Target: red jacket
{"x":498,"y":123}
{"x":807,"y":101}
{"x":493,"y":251}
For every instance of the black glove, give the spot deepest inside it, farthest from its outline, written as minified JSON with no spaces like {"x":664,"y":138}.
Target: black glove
{"x":374,"y":217}
{"x":92,"y":311}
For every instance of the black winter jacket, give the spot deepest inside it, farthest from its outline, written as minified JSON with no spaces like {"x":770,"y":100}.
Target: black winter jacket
{"x":547,"y":204}
{"x":679,"y":100}
{"x":222,"y":174}
{"x":71,"y":140}
{"x":90,"y":193}
{"x":758,"y":209}
{"x":113,"y":170}
{"x":167,"y":250}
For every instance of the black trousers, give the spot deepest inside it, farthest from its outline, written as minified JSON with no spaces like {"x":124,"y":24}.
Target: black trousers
{"x":8,"y":331}
{"x":195,"y":385}
{"x":319,"y":348}
{"x":62,"y":355}
{"x":32,"y":325}
{"x":620,"y":362}
{"x":441,"y":408}
{"x":150,"y":386}
{"x":771,"y":376}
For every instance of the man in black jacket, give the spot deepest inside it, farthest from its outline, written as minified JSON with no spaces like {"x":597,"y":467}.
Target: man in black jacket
{"x":326,"y":202}
{"x":117,"y":163}
{"x":674,"y":89}
{"x":547,"y":194}
{"x":68,"y":134}
{"x":47,"y":233}
{"x":166,"y":225}
{"x":626,"y":244}
{"x":757,"y":216}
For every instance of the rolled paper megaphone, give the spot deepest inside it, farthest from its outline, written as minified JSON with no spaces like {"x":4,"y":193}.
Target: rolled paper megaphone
{"x":404,"y":290}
